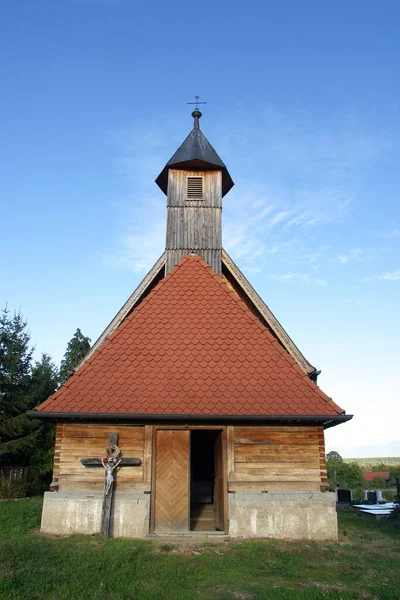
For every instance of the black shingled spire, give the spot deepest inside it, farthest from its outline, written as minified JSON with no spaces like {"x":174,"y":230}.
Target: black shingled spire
{"x":196,"y":154}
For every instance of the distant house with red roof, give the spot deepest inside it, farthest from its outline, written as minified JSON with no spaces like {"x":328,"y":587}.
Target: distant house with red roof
{"x":371,"y":475}
{"x":211,"y":416}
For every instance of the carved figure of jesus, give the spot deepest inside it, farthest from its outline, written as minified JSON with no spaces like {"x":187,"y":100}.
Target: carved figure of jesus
{"x":109,"y":466}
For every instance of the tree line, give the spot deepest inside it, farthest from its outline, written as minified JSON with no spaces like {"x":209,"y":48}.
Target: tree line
{"x":350,"y":475}
{"x":24,"y":384}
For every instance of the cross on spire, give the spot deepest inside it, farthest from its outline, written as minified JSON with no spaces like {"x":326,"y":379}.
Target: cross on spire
{"x":196,"y":114}
{"x":197,"y":102}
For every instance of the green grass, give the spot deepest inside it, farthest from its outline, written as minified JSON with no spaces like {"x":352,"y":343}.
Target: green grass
{"x":364,"y":564}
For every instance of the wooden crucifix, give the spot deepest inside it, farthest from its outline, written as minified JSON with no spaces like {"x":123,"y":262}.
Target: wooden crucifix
{"x":110,"y":462}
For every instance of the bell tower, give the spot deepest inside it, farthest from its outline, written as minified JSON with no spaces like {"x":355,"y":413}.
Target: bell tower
{"x":194,"y":180}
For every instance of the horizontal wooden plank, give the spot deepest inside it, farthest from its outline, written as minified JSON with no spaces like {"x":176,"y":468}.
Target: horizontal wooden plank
{"x":159,"y":426}
{"x":99,"y":486}
{"x":97,"y":427}
{"x":255,"y":452}
{"x":275,"y":439}
{"x":283,"y":486}
{"x":102,"y":432}
{"x":80,"y":486}
{"x":95,"y":474}
{"x":100,"y":443}
{"x":99,"y":450}
{"x":282,"y":446}
{"x":79,"y":468}
{"x":98,"y":462}
{"x":245,"y":429}
{"x":76,"y":464}
{"x":90,"y":476}
{"x":274,"y":465}
{"x":301,"y":460}
{"x":256,"y":476}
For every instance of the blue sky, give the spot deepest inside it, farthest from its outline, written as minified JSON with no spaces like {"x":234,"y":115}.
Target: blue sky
{"x":303,"y":107}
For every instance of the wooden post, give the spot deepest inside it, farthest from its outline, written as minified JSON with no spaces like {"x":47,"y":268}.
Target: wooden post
{"x":108,"y":498}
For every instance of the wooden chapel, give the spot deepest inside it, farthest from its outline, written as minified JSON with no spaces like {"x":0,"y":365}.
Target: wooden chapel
{"x":201,"y":409}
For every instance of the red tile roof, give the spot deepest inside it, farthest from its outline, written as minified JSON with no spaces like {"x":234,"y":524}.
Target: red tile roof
{"x":370,"y":475}
{"x":191,"y":347}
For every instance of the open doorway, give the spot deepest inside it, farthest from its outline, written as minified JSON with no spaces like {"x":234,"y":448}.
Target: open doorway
{"x":206,"y":479}
{"x":189,"y":487}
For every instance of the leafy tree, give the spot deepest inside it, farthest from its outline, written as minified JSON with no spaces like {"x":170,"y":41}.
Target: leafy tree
{"x":394,"y":471}
{"x":380,"y":467}
{"x":78,"y":347}
{"x":345,"y":475}
{"x":333,"y":463}
{"x":351,"y":477}
{"x":334,"y":455}
{"x":377,"y":483}
{"x":17,"y":432}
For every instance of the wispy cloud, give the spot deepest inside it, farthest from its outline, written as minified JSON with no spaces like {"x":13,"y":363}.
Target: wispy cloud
{"x":393,"y":276}
{"x":394,"y":233}
{"x":301,"y":178}
{"x":137,"y":250}
{"x":389,"y":276}
{"x":355,"y":254}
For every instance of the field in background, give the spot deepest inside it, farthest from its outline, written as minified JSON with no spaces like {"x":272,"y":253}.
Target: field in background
{"x":364,"y":564}
{"x":371,"y":461}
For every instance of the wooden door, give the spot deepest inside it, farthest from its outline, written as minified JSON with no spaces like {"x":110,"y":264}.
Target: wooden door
{"x":172,"y":489}
{"x":220,"y":485}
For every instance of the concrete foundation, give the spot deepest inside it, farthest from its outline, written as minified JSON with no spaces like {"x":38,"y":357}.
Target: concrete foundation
{"x":69,"y":513}
{"x":280,"y":515}
{"x":291,"y":515}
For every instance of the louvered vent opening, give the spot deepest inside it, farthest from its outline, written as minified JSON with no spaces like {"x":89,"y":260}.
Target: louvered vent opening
{"x":194,"y":188}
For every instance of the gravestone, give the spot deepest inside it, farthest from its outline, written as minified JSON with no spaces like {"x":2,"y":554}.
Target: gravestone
{"x":344,"y":496}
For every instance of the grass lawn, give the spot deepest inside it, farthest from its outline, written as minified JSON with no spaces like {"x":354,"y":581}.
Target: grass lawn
{"x":364,"y":564}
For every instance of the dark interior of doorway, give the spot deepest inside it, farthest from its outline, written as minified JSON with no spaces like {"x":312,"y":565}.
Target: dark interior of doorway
{"x":202,"y":478}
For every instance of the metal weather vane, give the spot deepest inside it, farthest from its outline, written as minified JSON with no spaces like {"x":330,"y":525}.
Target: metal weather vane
{"x":197,"y":102}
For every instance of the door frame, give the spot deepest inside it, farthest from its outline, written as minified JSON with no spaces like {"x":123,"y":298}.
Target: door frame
{"x":223,"y":430}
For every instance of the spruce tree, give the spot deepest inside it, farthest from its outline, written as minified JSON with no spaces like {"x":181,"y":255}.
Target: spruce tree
{"x":17,"y":432}
{"x":78,"y":347}
{"x":43,"y":383}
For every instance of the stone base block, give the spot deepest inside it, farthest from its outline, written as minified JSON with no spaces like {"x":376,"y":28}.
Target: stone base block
{"x":290,"y":515}
{"x":69,"y":513}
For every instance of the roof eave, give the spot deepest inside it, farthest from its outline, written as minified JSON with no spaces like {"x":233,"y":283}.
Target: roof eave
{"x":325,"y":420}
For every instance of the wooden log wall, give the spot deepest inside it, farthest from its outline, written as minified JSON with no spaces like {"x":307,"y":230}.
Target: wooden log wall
{"x":259,"y":458}
{"x":75,"y":441}
{"x":194,"y":225}
{"x":279,"y":458}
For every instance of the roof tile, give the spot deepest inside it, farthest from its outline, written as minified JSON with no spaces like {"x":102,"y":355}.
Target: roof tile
{"x":191,"y":347}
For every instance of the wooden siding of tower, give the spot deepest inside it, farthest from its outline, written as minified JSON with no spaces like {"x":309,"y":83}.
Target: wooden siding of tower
{"x":76,"y":441}
{"x":194,"y":225}
{"x":276,"y":458}
{"x":259,"y":458}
